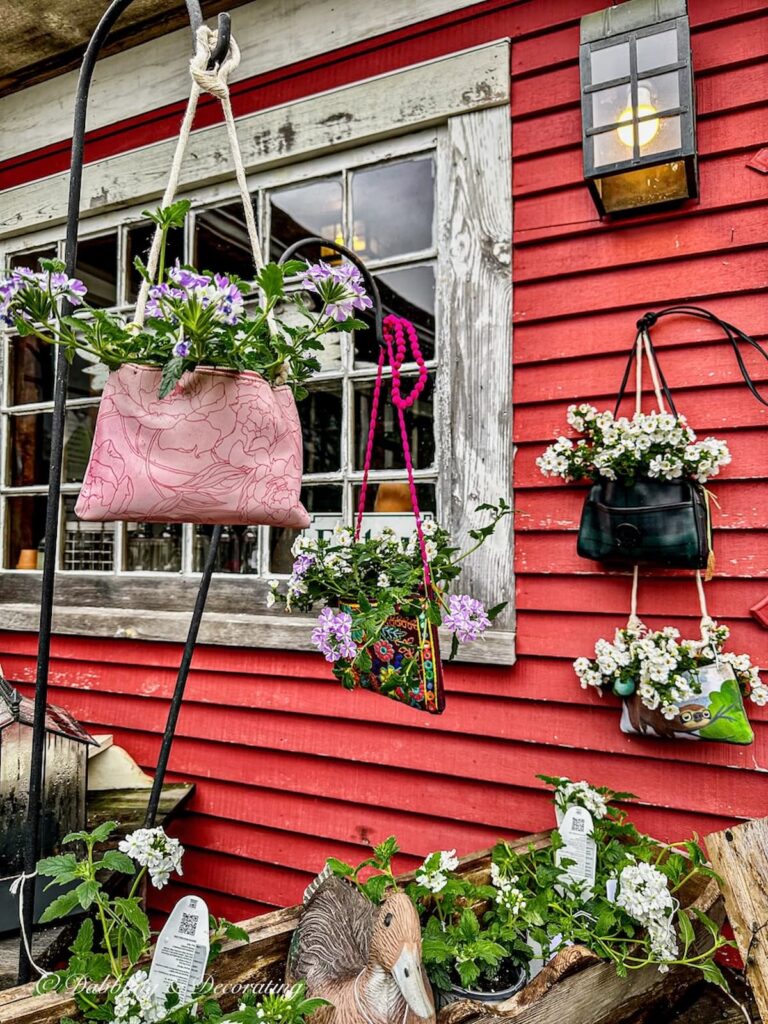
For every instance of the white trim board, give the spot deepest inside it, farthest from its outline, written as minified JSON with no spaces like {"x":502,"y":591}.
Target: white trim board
{"x":392,"y":104}
{"x":270,"y":33}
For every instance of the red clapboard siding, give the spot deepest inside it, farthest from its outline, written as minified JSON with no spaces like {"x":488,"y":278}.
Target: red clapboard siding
{"x":288,"y":767}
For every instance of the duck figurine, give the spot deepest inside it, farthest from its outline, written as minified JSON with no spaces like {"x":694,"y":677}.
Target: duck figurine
{"x":365,"y":960}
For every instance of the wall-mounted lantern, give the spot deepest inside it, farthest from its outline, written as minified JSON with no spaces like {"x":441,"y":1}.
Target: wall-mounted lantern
{"x":638,"y":106}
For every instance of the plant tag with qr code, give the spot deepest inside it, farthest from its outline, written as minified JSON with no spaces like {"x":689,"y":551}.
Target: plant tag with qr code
{"x":580,"y":849}
{"x":182,"y":949}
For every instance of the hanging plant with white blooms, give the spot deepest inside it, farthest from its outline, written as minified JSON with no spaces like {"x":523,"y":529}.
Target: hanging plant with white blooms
{"x":657,"y":445}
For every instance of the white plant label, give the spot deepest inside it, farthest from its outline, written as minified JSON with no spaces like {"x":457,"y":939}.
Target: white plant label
{"x":182,"y":949}
{"x":580,"y":847}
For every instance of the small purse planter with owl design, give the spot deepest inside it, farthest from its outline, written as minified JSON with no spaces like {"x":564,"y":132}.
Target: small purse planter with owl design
{"x":384,"y":595}
{"x":674,"y":688}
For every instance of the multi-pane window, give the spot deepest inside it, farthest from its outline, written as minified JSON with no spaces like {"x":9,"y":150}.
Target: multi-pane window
{"x":385,"y":212}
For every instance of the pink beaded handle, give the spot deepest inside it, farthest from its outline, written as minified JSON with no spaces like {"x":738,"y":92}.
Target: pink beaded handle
{"x":395,"y":330}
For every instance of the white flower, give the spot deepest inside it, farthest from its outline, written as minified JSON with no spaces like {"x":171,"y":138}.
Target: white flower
{"x":644,"y":894}
{"x":429,"y":527}
{"x":581,"y":794}
{"x":138,"y":994}
{"x":383,"y":580}
{"x":431,"y":549}
{"x":272,"y":593}
{"x":448,"y":860}
{"x":342,"y":536}
{"x":158,"y":853}
{"x":435,"y":882}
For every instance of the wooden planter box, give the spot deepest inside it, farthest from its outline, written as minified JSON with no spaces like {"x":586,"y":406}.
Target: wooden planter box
{"x":574,"y":986}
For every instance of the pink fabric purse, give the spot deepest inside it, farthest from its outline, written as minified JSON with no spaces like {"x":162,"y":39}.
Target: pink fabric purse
{"x":223,"y":447}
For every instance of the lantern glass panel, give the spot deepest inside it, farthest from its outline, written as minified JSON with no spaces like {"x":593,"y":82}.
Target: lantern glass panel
{"x":656,"y":50}
{"x":647,"y":186}
{"x":664,"y":91}
{"x":609,"y":63}
{"x":666,"y":139}
{"x":608,"y":105}
{"x":609,"y":149}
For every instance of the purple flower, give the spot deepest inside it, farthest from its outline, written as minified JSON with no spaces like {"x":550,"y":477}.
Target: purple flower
{"x":340,"y":287}
{"x":302,"y":564}
{"x":333,"y":635}
{"x":181,"y":349}
{"x":218,"y":292}
{"x":69,"y":287}
{"x":188,"y":278}
{"x":466,"y":618}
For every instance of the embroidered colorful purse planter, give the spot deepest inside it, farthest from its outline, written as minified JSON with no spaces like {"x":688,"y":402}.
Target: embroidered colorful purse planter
{"x":405,"y":658}
{"x":223,"y":447}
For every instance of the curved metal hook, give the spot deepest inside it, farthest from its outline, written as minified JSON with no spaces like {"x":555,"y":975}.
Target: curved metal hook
{"x":224,"y":32}
{"x":378,"y":313}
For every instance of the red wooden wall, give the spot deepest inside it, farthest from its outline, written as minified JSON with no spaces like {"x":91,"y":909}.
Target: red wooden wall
{"x":289,"y":767}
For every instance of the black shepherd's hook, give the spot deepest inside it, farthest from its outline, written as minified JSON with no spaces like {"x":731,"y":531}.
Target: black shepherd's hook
{"x":32,"y":838}
{"x":378,"y":313}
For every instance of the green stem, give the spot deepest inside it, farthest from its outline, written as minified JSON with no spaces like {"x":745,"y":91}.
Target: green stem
{"x":102,"y":917}
{"x":161,"y":260}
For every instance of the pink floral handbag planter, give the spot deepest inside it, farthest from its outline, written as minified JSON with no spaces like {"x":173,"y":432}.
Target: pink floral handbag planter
{"x":223,"y":447}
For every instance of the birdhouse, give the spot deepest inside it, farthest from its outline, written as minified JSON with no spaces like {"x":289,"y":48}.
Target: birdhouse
{"x":64,"y":787}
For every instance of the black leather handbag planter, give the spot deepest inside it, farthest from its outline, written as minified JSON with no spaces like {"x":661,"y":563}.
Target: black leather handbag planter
{"x":656,"y":522}
{"x":649,"y":522}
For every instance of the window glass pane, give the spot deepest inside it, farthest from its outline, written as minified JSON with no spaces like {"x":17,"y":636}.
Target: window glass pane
{"x":387,"y":446}
{"x":609,"y":106}
{"x":238,"y":550}
{"x":139,"y":240}
{"x":320,"y":414}
{"x":86,"y":547}
{"x":393,"y":498}
{"x":324,"y":503}
{"x":30,"y":437}
{"x":32,"y":259}
{"x":409,"y":293}
{"x":25,"y":529}
{"x":657,"y":50}
{"x":30,"y":455}
{"x":79,"y":428}
{"x":393,"y":208}
{"x":329,"y":356}
{"x":32,"y":370}
{"x":311,"y":209}
{"x":662,"y":92}
{"x":664,"y":140}
{"x":87,"y":376}
{"x":97,"y":269}
{"x":221,"y":242}
{"x":609,"y":62}
{"x":153,"y":547}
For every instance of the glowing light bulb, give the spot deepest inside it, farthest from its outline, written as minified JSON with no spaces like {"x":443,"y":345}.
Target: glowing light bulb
{"x":646,"y":130}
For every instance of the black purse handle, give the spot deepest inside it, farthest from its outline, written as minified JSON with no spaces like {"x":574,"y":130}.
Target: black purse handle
{"x":734,"y":334}
{"x":651,"y":355}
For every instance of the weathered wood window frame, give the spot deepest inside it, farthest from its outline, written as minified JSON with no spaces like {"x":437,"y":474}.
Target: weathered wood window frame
{"x":457,"y":107}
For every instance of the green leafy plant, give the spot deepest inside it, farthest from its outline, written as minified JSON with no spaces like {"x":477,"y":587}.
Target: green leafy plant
{"x":631,"y":916}
{"x":362,"y":584}
{"x":194,"y":319}
{"x":106,"y":972}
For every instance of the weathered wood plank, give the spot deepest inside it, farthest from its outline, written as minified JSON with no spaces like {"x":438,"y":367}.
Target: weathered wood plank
{"x":740,"y":857}
{"x":288,"y":633}
{"x":415,"y":97}
{"x":474,"y":411}
{"x":42,"y":114}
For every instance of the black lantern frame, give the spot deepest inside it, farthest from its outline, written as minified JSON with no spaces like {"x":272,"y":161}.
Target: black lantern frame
{"x":621,"y":39}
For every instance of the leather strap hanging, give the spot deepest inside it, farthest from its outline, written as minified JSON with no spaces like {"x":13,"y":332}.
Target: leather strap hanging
{"x":735,"y":336}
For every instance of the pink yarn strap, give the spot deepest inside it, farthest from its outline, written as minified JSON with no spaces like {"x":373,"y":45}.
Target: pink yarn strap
{"x":396,"y":331}
{"x":369,"y":448}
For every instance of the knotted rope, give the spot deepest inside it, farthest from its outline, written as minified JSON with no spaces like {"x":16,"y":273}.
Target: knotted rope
{"x":215,"y":82}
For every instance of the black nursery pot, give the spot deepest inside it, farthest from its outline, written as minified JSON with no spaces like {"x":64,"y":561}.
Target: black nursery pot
{"x":456,"y":993}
